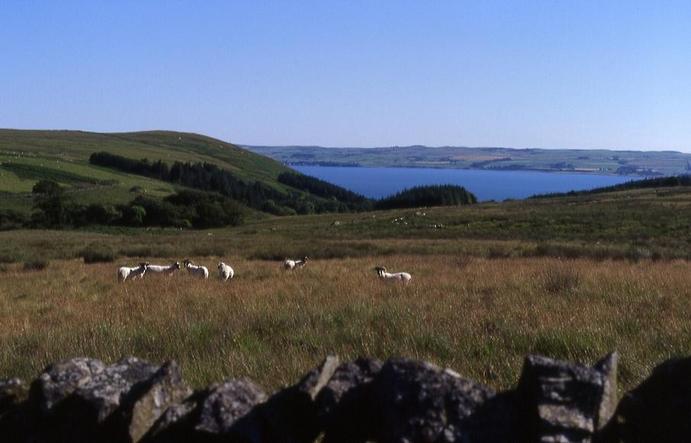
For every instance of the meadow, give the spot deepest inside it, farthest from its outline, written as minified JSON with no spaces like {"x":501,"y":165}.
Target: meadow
{"x":479,"y":316}
{"x":572,"y":278}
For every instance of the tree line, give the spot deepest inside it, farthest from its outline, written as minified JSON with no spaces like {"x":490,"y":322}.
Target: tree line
{"x":209,"y":177}
{"x":432,"y":195}
{"x":54,"y":208}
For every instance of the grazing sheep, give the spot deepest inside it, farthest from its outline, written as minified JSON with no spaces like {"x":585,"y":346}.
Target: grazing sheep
{"x":166,"y":270}
{"x":289,"y":264}
{"x":400,"y":276}
{"x":225,"y":272}
{"x":197,"y":271}
{"x":126,"y":272}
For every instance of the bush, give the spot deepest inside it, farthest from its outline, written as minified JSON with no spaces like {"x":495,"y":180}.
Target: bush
{"x":97,"y":253}
{"x":560,"y":279}
{"x":7,"y":257}
{"x":37,"y":264}
{"x":208,"y":251}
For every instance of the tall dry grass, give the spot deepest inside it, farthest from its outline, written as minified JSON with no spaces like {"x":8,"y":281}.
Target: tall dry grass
{"x":475,"y":315}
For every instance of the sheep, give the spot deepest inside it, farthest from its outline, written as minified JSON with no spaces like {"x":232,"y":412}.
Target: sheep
{"x":225,"y":272}
{"x":160,"y":269}
{"x":197,"y":271}
{"x":400,"y":276}
{"x":289,"y":264}
{"x":126,"y":272}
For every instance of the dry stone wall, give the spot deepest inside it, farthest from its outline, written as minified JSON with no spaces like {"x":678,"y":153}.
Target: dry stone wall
{"x":366,"y":400}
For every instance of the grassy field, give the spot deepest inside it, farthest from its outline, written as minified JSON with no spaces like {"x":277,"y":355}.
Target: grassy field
{"x":478,"y":316}
{"x":570,"y":278}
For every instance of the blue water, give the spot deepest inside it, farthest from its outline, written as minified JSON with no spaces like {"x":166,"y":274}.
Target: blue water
{"x":486,"y":185}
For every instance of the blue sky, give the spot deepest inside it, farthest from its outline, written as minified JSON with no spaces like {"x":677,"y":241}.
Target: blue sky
{"x":600,"y":74}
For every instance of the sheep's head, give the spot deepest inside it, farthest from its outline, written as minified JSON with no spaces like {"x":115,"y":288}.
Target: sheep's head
{"x":176,"y":265}
{"x":380,"y":269}
{"x":186,"y":262}
{"x":144,"y":264}
{"x":220,"y":265}
{"x":305,"y":258}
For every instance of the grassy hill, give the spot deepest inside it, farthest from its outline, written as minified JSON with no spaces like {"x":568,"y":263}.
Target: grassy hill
{"x":27,"y":156}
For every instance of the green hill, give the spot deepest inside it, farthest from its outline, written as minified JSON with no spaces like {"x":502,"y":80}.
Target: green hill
{"x":27,"y":156}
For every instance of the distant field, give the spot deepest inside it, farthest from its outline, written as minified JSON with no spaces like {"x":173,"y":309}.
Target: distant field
{"x":571,"y":278}
{"x":600,"y":161}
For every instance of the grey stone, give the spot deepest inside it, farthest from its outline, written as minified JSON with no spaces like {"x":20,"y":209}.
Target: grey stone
{"x":565,"y":402}
{"x":12,"y":393}
{"x":420,"y":402}
{"x":226,"y":404}
{"x":75,"y":398}
{"x":223,"y":412}
{"x":291,"y":415}
{"x":147,"y":401}
{"x":344,"y":404}
{"x":60,"y":380}
{"x":658,"y":410}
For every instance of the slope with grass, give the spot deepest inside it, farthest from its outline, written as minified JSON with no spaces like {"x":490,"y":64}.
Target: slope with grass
{"x":27,"y":156}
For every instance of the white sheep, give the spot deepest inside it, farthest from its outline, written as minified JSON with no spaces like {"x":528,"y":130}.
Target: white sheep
{"x":400,"y":276}
{"x":197,"y":271}
{"x":225,"y":272}
{"x":289,"y":264}
{"x":166,"y":270}
{"x":126,"y":272}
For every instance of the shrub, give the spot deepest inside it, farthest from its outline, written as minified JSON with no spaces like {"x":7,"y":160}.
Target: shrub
{"x":37,"y":264}
{"x":8,"y":257}
{"x":560,"y":279}
{"x":97,"y":253}
{"x":208,"y":251}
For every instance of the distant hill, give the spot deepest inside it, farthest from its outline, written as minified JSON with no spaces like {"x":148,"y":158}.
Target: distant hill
{"x":27,"y":156}
{"x":601,"y":161}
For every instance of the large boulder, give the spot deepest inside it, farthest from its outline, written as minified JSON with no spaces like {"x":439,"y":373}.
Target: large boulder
{"x":565,"y":402}
{"x":658,"y":410}
{"x":344,"y":404}
{"x":420,"y":402}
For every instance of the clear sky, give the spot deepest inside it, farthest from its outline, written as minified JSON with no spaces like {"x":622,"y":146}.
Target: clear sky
{"x":608,"y":74}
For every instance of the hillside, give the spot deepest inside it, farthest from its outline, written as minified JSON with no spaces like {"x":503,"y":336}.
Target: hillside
{"x":27,"y":156}
{"x":601,"y":161}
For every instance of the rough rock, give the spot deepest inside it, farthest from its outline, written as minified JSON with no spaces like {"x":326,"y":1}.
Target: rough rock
{"x":12,"y":393}
{"x":565,"y":402}
{"x":76,"y":397}
{"x":420,"y":402}
{"x":60,"y":380}
{"x":344,"y":403}
{"x":291,"y":415}
{"x":226,"y":405}
{"x":224,"y":411}
{"x":658,"y":410}
{"x":147,"y":401}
